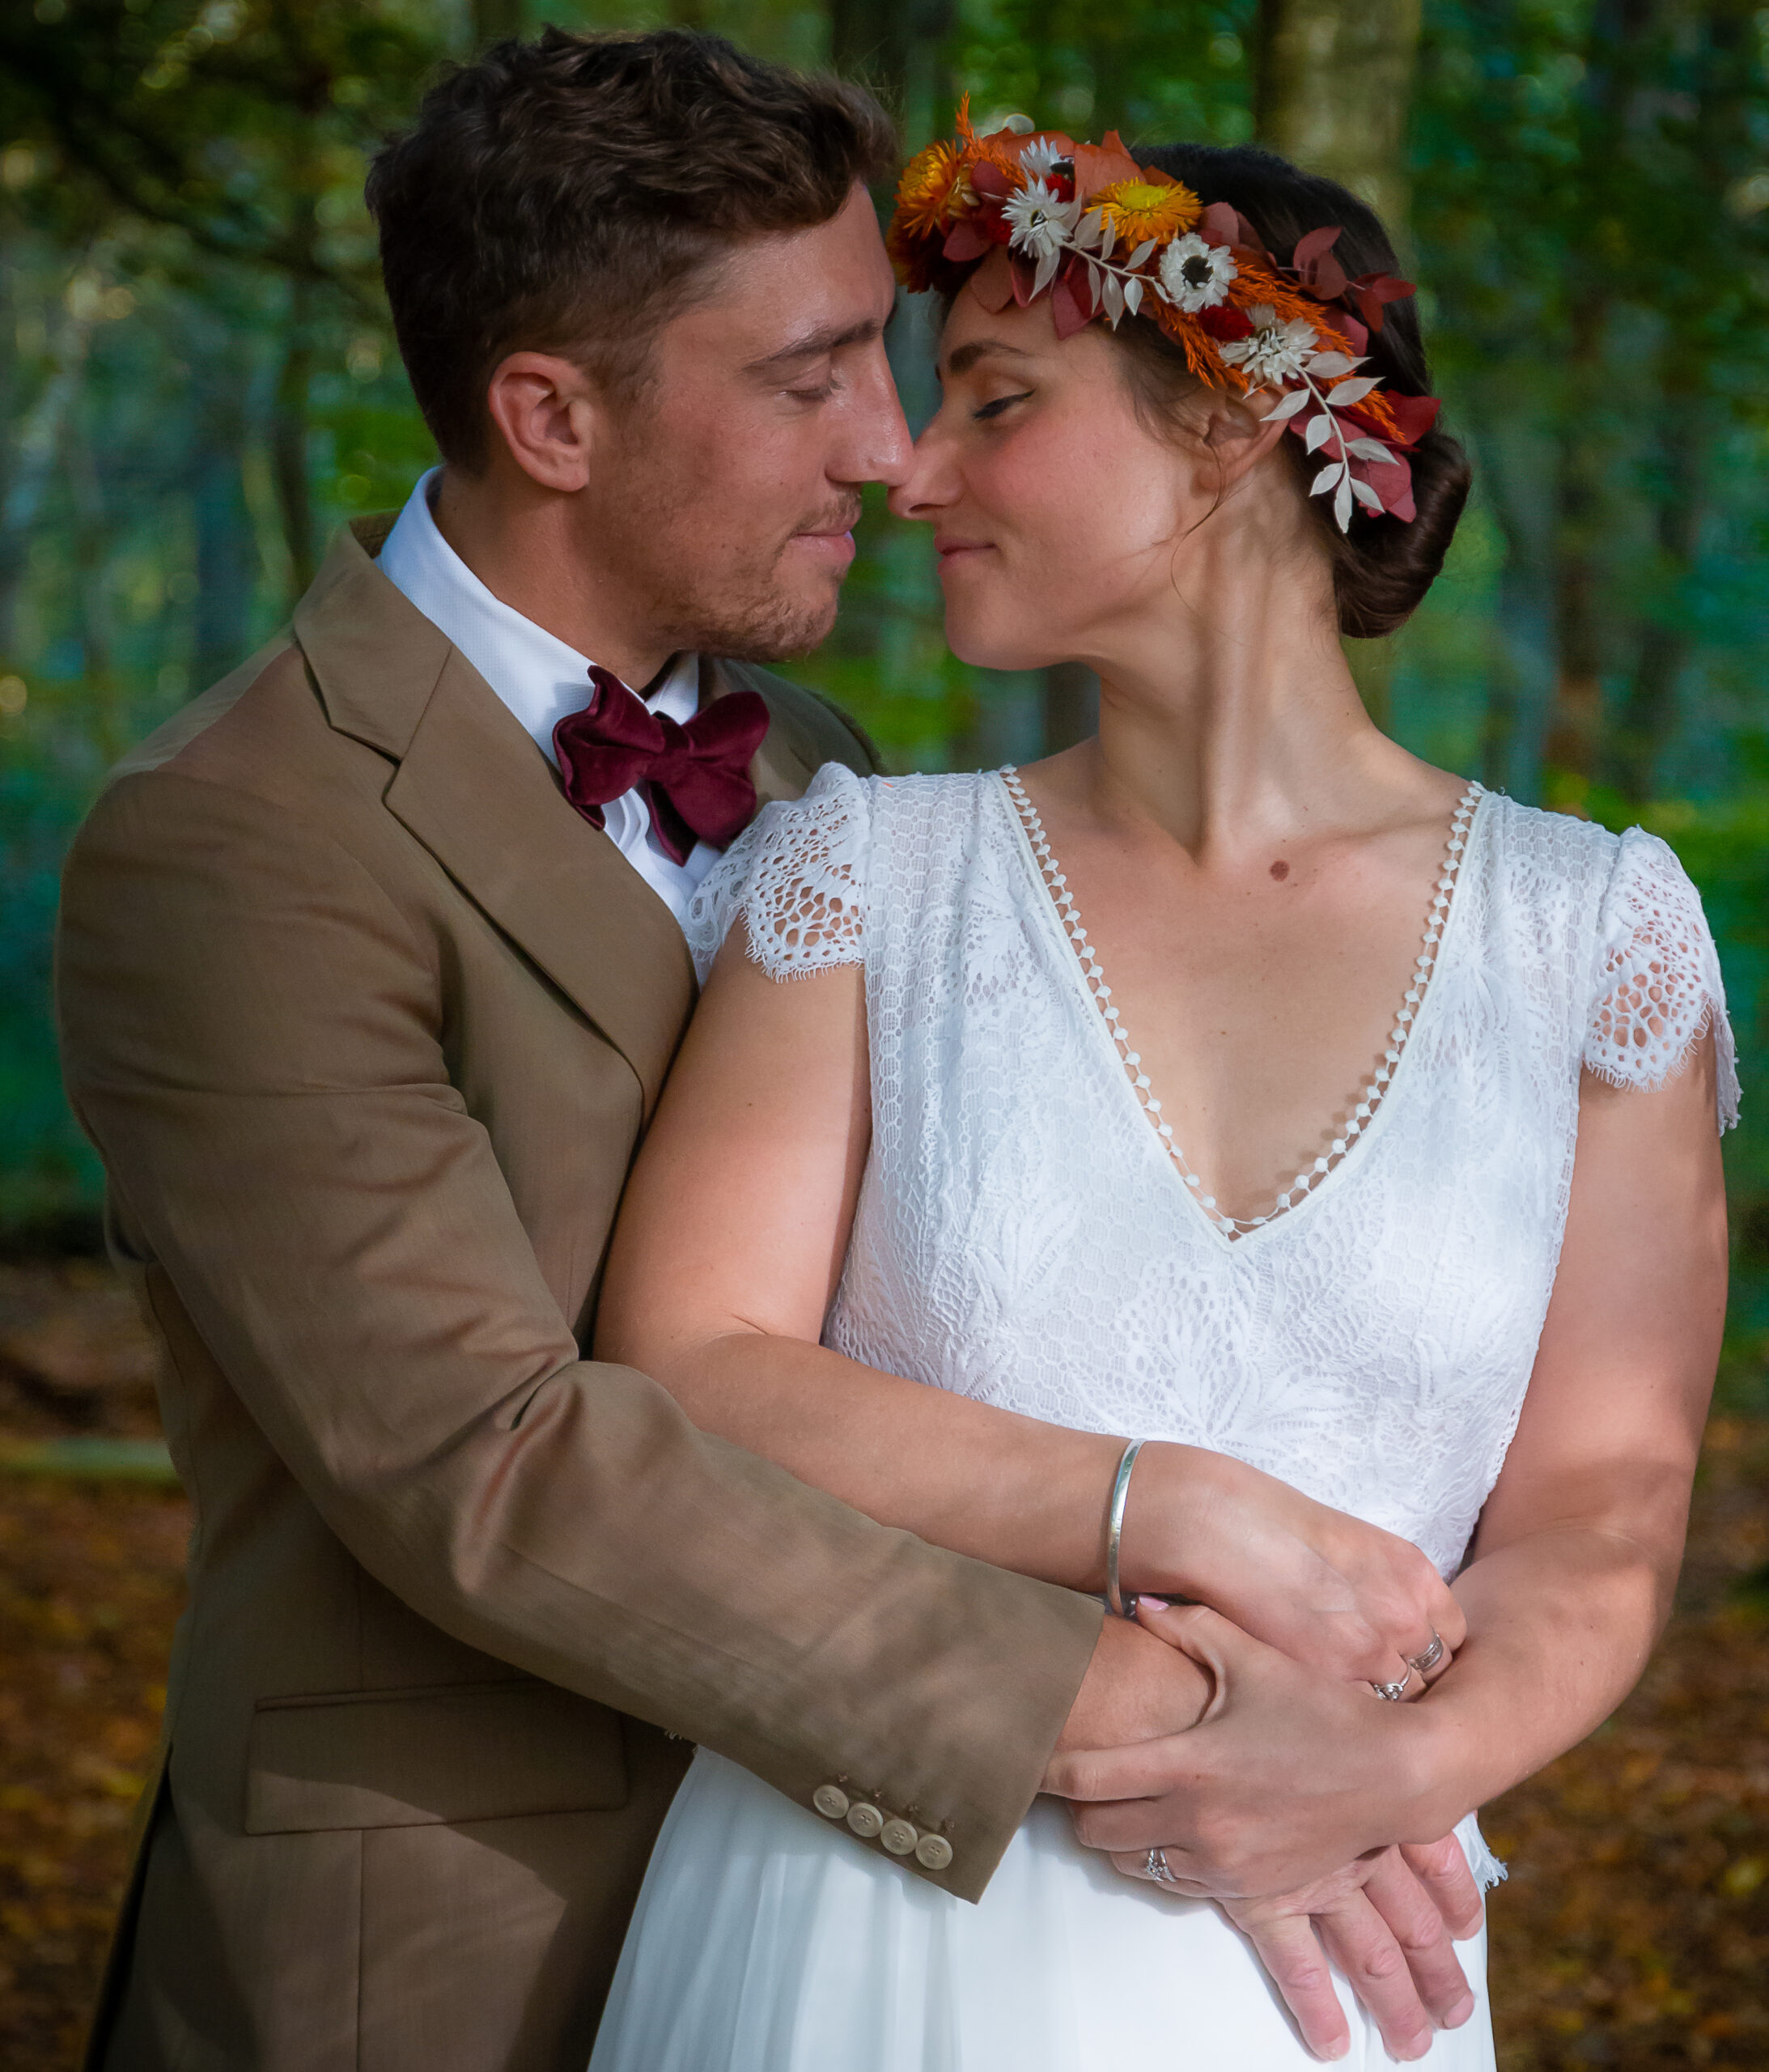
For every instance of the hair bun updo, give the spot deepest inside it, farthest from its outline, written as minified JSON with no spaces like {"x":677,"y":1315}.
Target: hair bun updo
{"x":1384,"y":566}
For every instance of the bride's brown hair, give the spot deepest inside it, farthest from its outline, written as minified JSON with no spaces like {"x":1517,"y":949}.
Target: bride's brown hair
{"x":1384,"y":566}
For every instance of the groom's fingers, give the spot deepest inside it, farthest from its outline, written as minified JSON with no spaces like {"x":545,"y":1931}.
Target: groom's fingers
{"x":1409,"y":1914}
{"x":1381,"y":1971}
{"x":1442,"y":1869}
{"x":1291,"y":1951}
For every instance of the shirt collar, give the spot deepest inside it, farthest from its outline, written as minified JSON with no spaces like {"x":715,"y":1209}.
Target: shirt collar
{"x":533,"y":672}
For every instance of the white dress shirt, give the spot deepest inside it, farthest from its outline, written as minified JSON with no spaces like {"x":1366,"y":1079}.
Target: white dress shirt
{"x":538,"y":678}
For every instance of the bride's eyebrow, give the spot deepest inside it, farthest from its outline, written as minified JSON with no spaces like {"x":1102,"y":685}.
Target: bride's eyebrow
{"x":966,"y":356}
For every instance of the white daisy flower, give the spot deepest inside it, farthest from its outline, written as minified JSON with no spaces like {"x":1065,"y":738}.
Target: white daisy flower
{"x":1040,"y":157}
{"x":1195,"y":275}
{"x":1041,"y":221}
{"x":1276,"y":352}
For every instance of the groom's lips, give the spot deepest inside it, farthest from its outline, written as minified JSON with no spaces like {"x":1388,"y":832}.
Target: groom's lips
{"x":837,"y":548}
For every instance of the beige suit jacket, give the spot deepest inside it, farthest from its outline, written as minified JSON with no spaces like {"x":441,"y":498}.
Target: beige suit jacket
{"x":366,"y":1022}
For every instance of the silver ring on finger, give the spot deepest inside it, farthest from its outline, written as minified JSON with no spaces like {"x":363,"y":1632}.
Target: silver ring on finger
{"x":1427,"y":1661}
{"x":1158,"y":1868}
{"x":1394,"y":1693}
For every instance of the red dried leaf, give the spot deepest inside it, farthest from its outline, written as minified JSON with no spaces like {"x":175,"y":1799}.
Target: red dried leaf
{"x":992,"y":284}
{"x":1099,"y":165}
{"x":1393,"y":482}
{"x":967,"y":241}
{"x":1220,"y":224}
{"x":1327,"y":278}
{"x":1072,"y":302}
{"x":1311,"y":247}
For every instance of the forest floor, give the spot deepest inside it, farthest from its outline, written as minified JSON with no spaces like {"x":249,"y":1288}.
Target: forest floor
{"x":1633,"y":1933}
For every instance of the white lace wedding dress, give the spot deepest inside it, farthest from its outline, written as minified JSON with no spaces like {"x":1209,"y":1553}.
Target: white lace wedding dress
{"x":1029,"y":1233}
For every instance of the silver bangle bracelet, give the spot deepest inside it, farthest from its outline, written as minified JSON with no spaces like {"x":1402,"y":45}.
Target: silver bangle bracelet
{"x":1115,"y":1532}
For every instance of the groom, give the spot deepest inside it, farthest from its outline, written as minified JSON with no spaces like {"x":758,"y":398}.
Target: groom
{"x":372,"y":965}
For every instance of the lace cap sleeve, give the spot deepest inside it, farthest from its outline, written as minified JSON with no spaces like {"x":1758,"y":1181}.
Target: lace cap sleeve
{"x":796,"y":877}
{"x":1657,"y":987}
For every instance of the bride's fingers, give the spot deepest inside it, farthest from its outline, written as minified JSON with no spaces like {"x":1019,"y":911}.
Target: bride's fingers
{"x":1139,"y":1866}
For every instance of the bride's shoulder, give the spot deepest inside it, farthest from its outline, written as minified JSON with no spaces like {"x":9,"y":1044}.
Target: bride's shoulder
{"x":807,"y":873}
{"x":1545,"y":857}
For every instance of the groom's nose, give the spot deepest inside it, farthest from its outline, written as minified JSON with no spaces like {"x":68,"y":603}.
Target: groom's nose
{"x":879,"y":447}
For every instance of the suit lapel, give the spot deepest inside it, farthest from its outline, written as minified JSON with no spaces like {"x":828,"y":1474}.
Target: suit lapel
{"x":782,"y":766}
{"x":476,"y":792}
{"x":483,"y":800}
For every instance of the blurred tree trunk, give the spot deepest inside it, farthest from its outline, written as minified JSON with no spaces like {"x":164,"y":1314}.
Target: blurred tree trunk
{"x":1649,"y":716}
{"x":288,"y":428}
{"x":1576,"y":717}
{"x":1332,"y":83}
{"x":30,"y":458}
{"x":227,"y":552}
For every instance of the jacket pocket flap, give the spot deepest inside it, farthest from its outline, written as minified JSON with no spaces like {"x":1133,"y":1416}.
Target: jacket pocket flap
{"x":411,"y":1758}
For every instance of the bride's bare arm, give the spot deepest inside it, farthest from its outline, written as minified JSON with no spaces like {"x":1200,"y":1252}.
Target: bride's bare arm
{"x":727,"y":1253}
{"x":1573,"y":1567}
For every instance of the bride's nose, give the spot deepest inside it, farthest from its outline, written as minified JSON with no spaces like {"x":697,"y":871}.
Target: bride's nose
{"x":930,"y":486}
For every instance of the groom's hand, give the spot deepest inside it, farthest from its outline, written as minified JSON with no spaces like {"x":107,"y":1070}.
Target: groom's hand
{"x":1138,"y":1689}
{"x":1387,"y":1921}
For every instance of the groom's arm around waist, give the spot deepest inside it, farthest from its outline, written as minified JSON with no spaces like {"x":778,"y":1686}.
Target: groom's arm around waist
{"x":253,"y":1035}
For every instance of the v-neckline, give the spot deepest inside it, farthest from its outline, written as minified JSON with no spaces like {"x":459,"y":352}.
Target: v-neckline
{"x":1376,"y":1097}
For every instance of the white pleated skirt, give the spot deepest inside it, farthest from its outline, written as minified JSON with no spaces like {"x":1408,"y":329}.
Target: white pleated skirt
{"x":766,"y":1940}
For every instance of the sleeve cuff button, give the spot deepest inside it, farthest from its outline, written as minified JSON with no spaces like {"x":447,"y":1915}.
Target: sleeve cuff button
{"x":933,"y":1852}
{"x":831,"y":1801}
{"x":865,"y":1820}
{"x":899,"y":1835}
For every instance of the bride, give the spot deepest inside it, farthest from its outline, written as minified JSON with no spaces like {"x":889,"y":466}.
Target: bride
{"x":1233,"y":1082}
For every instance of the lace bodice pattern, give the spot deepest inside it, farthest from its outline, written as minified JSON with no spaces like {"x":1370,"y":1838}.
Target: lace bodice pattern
{"x":1023,"y":1235}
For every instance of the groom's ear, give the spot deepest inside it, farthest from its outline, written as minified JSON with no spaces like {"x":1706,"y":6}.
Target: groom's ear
{"x":550,"y":415}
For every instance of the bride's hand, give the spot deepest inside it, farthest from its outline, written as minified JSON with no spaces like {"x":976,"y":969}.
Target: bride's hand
{"x":1322,"y":1587}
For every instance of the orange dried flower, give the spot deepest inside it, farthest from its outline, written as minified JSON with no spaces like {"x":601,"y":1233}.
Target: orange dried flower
{"x":1150,"y":206}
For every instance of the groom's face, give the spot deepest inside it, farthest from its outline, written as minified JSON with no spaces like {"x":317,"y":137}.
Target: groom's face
{"x":726,"y":508}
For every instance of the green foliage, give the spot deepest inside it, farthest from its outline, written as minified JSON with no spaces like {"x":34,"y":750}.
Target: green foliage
{"x":199,"y":384}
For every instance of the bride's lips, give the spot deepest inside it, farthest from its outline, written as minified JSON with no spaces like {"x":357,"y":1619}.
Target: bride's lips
{"x":952,"y":552}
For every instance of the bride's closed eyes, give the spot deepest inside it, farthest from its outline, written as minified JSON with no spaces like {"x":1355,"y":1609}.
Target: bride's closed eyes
{"x":988,"y":411}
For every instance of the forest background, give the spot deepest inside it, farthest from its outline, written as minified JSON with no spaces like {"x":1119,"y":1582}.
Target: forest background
{"x":199,"y":384}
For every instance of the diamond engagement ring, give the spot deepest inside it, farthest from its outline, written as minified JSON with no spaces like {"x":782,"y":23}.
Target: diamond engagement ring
{"x":1428,"y":1660}
{"x":1395,"y":1693}
{"x":1156,"y":1868}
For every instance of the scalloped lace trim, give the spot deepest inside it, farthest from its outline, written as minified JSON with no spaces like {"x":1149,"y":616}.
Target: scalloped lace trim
{"x":1659,"y":985}
{"x":797,"y":879}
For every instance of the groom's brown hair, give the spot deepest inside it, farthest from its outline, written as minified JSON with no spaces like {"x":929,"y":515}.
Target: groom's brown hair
{"x":571,"y":194}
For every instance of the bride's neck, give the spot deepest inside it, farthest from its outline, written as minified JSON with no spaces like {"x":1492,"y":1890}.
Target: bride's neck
{"x":1227,"y":714}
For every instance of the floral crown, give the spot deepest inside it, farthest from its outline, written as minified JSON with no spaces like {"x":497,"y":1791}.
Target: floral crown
{"x":1110,"y":238}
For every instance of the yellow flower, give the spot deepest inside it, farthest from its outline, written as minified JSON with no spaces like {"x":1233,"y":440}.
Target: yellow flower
{"x":930,"y":191}
{"x":1140,"y":209}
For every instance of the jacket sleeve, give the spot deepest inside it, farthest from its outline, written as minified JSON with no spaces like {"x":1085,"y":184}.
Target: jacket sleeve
{"x":252,"y":1038}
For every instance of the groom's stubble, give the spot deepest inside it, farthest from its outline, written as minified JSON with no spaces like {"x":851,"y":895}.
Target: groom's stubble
{"x":720,"y":504}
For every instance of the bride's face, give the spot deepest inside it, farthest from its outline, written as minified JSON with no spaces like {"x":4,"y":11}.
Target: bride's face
{"x":1059,"y":514}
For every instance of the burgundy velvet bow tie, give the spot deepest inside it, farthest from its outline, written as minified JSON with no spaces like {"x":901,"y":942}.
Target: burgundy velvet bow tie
{"x":695,"y":779}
